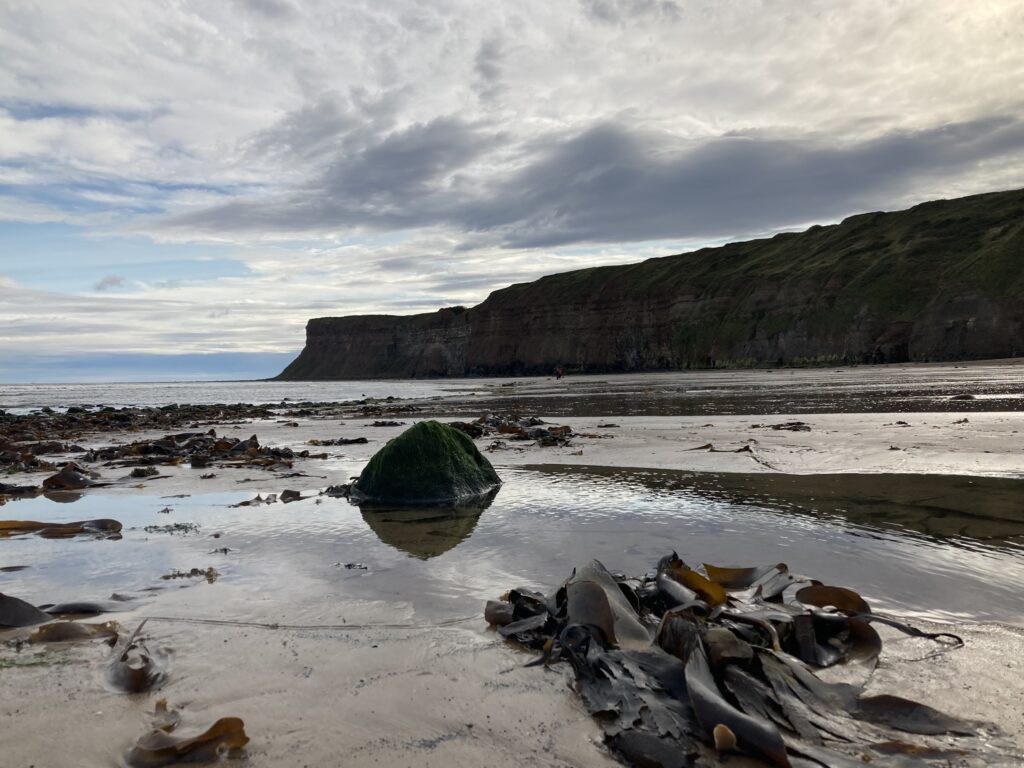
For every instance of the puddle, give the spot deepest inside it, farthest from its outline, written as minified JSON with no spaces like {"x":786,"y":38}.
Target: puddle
{"x":942,"y":547}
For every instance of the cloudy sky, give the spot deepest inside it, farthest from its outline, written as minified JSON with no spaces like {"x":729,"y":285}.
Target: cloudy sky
{"x":184,"y":183}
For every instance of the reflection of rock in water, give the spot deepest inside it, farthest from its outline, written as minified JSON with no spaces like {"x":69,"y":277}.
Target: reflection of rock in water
{"x":63,"y":497}
{"x":425,"y":532}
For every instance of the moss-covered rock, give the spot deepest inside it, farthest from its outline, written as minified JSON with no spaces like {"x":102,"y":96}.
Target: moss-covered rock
{"x":429,"y":463}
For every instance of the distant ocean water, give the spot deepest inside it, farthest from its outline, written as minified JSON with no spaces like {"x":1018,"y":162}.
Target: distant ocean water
{"x":19,"y":398}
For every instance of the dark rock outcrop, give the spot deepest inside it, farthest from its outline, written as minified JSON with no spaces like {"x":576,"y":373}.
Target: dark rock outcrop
{"x":430,"y":463}
{"x":941,"y":281}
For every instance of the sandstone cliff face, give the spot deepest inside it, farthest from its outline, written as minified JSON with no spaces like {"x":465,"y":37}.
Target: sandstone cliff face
{"x":941,"y":281}
{"x":382,"y":346}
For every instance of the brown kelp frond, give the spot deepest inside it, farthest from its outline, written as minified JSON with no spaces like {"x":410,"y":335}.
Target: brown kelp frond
{"x":682,"y":667}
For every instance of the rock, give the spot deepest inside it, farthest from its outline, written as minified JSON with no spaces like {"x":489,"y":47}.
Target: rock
{"x":15,"y":612}
{"x":71,"y":477}
{"x":430,"y":463}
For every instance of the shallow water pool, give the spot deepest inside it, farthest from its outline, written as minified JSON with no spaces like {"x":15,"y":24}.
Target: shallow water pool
{"x":940,"y":547}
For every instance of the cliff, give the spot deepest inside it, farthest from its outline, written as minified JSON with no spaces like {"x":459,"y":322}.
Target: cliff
{"x":941,"y":281}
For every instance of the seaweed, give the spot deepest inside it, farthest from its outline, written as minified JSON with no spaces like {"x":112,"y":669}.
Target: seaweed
{"x":100,"y":529}
{"x":682,"y":667}
{"x":160,"y":748}
{"x":15,"y":612}
{"x":133,"y":668}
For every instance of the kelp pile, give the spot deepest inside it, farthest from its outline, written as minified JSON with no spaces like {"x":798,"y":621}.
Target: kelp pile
{"x":687,"y":667}
{"x":200,"y":449}
{"x":197,"y":449}
{"x":47,"y":431}
{"x":514,"y":427}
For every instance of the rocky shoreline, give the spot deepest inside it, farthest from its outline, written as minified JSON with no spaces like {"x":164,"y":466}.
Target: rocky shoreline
{"x":261,"y":639}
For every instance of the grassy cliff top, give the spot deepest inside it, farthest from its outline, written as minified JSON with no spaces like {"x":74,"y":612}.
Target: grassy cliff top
{"x":970,"y":243}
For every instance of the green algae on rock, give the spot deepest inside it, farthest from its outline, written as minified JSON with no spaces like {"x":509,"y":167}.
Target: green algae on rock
{"x":429,"y":463}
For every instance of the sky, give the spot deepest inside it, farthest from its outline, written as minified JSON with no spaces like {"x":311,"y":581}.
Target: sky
{"x":183,"y":184}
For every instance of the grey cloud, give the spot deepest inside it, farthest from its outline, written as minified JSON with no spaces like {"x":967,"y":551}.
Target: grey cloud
{"x":488,"y":68}
{"x":331,"y":125}
{"x":306,"y":132}
{"x":273,"y":9}
{"x":402,"y":180}
{"x":614,"y":184}
{"x":109,"y":282}
{"x":617,"y":11}
{"x":407,"y":161}
{"x":401,"y":263}
{"x":452,"y":283}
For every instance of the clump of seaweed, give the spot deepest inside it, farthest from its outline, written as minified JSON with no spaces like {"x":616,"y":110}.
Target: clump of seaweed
{"x":685,"y":666}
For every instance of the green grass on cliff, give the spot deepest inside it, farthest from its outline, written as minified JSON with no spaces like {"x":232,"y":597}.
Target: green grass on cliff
{"x":972,"y":242}
{"x":890,"y":265}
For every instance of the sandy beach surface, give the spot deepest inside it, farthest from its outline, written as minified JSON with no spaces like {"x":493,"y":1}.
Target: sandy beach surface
{"x":365,"y":670}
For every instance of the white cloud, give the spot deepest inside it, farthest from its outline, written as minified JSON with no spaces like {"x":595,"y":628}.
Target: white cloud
{"x":367,"y":156}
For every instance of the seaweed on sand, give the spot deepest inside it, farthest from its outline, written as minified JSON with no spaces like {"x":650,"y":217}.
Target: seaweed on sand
{"x":685,"y":666}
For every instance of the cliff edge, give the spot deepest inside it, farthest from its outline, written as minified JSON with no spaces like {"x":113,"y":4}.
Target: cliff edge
{"x":941,"y":281}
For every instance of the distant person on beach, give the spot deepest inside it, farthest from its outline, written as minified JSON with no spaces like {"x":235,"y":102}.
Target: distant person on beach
{"x":559,"y":372}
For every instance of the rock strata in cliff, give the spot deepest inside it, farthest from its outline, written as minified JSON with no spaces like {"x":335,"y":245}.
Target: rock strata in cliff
{"x":941,"y":281}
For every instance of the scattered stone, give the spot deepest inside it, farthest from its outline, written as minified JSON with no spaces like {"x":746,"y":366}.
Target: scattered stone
{"x":72,"y":477}
{"x":19,"y":491}
{"x":15,"y":612}
{"x":210,"y":574}
{"x":173,"y":528}
{"x":788,"y":426}
{"x":710,"y":448}
{"x":514,"y":427}
{"x":340,"y":441}
{"x":270,"y":498}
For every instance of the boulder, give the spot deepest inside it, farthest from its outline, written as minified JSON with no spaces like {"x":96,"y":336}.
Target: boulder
{"x":428,"y":464}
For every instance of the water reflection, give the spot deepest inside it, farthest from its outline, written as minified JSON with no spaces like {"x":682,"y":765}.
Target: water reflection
{"x":944,"y":547}
{"x":63,"y":497}
{"x":425,"y":532}
{"x":953,"y":508}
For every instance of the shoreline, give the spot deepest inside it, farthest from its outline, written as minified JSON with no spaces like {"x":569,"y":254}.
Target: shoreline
{"x":431,"y":695}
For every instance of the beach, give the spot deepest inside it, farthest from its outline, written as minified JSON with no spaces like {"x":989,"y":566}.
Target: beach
{"x":344,"y":638}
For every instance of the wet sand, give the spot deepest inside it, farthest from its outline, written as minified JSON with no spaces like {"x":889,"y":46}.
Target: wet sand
{"x":391,"y":682}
